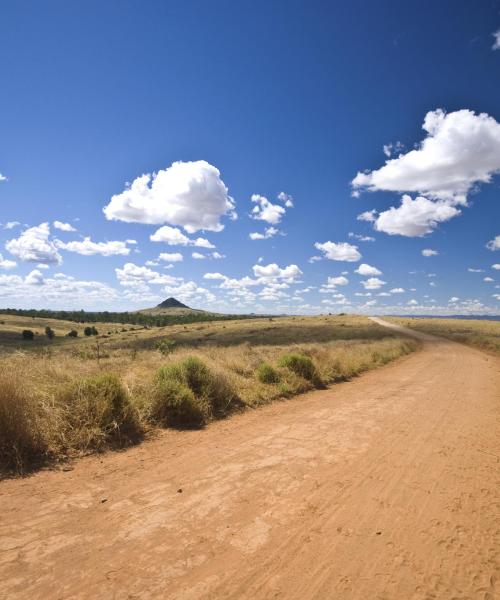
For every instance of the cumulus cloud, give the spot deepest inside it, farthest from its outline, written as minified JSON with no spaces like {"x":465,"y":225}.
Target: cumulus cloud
{"x":488,"y":279}
{"x":269,"y":232}
{"x":11,"y":224}
{"x":287,"y":199}
{"x":341,"y":251}
{"x":266,"y":210}
{"x":367,"y":270}
{"x":428,"y":252}
{"x":461,"y":150}
{"x":496,"y":266}
{"x":494,"y":244}
{"x":496,"y":40}
{"x":373,"y":283}
{"x":187,"y":194}
{"x":391,"y":148}
{"x":272,"y":271}
{"x":414,"y":218}
{"x":34,"y":245}
{"x":132,"y":275}
{"x":87,"y":247}
{"x":397,"y":291}
{"x":173,"y":236}
{"x":198,"y":256}
{"x":171,"y":257}
{"x":34,"y":278}
{"x":368,"y":215}
{"x":10,"y":264}
{"x":471,"y":270}
{"x":63,"y":226}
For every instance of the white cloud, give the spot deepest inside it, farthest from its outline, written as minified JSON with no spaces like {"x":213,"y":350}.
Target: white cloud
{"x":269,"y":232}
{"x":2,"y":177}
{"x":475,"y":270}
{"x":453,"y":300}
{"x":412,"y":302}
{"x":198,"y":256}
{"x":7,"y":264}
{"x":188,"y":194}
{"x":361,"y":238}
{"x":397,"y":291}
{"x":488,"y":279}
{"x":215,"y":276}
{"x":368,"y":215}
{"x":63,"y":226}
{"x":287,"y":199}
{"x":87,"y":247}
{"x":171,"y":257}
{"x":496,"y":266}
{"x":272,"y":271}
{"x":414,"y":218}
{"x":34,"y":278}
{"x":373,"y":283}
{"x":390,"y":148}
{"x":461,"y":150}
{"x":132,"y":275}
{"x":367,"y":270}
{"x":218,"y":255}
{"x":174,"y":237}
{"x":496,"y":40}
{"x":333,"y":282}
{"x":266,"y":211}
{"x":427,"y":252}
{"x":11,"y":224}
{"x":34,"y":245}
{"x":494,"y":244}
{"x":341,"y":251}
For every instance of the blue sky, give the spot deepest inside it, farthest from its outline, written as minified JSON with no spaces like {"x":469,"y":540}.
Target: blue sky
{"x":145,"y":126}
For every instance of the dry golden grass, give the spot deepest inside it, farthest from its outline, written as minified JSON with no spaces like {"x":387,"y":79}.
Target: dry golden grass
{"x":483,"y":334}
{"x":87,"y":395}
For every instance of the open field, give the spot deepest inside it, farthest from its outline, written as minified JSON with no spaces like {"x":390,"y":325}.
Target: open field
{"x":72,"y":396}
{"x":386,"y":486}
{"x":482,"y":334}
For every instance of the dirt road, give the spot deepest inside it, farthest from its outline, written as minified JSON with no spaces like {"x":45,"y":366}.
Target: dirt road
{"x":386,"y":487}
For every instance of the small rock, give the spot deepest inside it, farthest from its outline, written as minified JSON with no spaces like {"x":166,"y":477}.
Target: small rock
{"x":103,"y":500}
{"x":379,"y":533}
{"x":179,"y":491}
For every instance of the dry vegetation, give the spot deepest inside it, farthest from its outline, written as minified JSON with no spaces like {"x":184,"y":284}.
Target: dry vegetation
{"x":483,"y":334}
{"x":70,"y":396}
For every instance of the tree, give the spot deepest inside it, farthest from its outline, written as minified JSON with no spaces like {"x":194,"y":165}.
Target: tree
{"x":73,"y":333}
{"x":49,"y":332}
{"x":28,"y":334}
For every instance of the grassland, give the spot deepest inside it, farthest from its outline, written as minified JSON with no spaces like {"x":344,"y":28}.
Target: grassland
{"x":66,"y":397}
{"x":483,"y":334}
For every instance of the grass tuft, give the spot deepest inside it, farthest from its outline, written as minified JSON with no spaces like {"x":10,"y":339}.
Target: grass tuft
{"x":267,"y":374}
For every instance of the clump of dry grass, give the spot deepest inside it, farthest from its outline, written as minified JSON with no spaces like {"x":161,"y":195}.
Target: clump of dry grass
{"x":61,"y":404}
{"x":23,"y":425}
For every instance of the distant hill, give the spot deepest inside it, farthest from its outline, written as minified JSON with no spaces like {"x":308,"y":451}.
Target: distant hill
{"x":172,"y":307}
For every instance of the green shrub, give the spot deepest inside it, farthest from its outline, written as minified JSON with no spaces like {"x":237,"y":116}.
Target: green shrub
{"x":190,"y":393}
{"x":73,"y":333}
{"x":267,"y":374}
{"x":99,"y":413}
{"x":28,"y":334}
{"x":300,"y":364}
{"x":174,"y":404}
{"x":165,"y":346}
{"x":49,"y":332}
{"x":88,"y":331}
{"x":22,"y":439}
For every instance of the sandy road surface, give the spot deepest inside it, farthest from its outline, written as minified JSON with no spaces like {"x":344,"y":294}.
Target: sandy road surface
{"x":386,"y":487}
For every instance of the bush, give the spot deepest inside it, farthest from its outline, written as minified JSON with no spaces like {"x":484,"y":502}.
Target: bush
{"x":73,"y":333}
{"x":21,"y":425}
{"x":165,"y":346}
{"x":175,"y":404}
{"x":99,"y":413}
{"x":90,"y":331}
{"x":28,"y":334}
{"x":49,"y":332}
{"x":300,"y":364}
{"x":190,"y":393}
{"x":267,"y":374}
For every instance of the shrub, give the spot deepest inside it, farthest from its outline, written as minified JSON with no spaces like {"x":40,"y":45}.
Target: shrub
{"x":28,"y":334}
{"x":300,"y":364}
{"x":73,"y":333}
{"x":190,"y":392}
{"x":267,"y":374}
{"x":99,"y":413}
{"x":21,"y":425}
{"x":175,"y":404}
{"x":165,"y":346}
{"x":90,"y":331}
{"x":49,"y":332}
